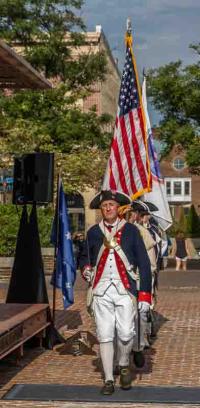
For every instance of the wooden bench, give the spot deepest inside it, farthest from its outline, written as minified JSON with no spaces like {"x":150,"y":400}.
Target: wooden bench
{"x":19,"y":323}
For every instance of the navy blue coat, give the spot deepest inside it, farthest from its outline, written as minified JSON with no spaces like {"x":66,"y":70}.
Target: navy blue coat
{"x":133,"y":247}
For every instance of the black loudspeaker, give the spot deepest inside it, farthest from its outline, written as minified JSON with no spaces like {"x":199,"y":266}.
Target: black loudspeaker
{"x":33,"y":178}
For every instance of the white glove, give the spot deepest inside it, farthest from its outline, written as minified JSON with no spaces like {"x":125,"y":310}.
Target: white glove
{"x":87,"y":274}
{"x":143,"y":307}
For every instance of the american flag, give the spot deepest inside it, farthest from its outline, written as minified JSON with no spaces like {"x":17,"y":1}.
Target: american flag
{"x":128,"y":167}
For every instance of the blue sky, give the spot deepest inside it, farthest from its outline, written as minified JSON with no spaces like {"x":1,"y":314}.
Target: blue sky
{"x":162,"y":29}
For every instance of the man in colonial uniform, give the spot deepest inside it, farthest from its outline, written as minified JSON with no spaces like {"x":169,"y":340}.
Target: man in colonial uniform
{"x":114,"y":250}
{"x":133,"y":215}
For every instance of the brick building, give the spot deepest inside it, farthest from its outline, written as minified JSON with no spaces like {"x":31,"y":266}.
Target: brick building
{"x":105,"y":94}
{"x":182,"y":187}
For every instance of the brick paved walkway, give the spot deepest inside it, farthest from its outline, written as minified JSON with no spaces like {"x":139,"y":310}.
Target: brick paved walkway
{"x":173,"y":360}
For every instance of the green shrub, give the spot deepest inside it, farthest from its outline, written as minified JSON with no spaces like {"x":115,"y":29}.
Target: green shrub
{"x":193,"y":223}
{"x":182,"y":223}
{"x":173,"y":229}
{"x":178,"y":225}
{"x":9,"y":225}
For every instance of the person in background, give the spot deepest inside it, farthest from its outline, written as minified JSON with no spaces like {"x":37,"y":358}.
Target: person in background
{"x":182,"y":248}
{"x":78,"y":244}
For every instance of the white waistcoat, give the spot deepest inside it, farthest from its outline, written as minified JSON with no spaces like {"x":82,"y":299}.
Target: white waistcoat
{"x":110,"y":276}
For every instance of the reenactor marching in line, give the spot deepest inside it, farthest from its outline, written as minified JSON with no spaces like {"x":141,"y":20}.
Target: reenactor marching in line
{"x":135,"y":213}
{"x":153,"y":250}
{"x":140,"y":213}
{"x":114,"y":250}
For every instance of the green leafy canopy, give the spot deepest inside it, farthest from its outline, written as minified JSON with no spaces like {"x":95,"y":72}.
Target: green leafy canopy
{"x":175,"y":93}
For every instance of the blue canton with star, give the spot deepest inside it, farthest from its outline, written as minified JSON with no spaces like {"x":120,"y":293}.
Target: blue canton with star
{"x":128,"y":97}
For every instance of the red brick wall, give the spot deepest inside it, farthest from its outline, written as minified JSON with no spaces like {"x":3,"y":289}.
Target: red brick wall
{"x":168,"y":170}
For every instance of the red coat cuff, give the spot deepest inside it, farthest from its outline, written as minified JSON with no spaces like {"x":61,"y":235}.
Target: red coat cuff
{"x":144,"y":297}
{"x":83,"y":270}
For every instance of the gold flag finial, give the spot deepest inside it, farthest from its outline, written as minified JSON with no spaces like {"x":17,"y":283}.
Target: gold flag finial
{"x":128,"y":36}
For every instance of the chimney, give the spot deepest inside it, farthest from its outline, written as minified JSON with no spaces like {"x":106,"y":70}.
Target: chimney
{"x":98,"y":29}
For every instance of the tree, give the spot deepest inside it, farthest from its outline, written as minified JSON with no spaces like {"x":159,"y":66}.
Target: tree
{"x":51,"y":120}
{"x":47,"y":31}
{"x":193,"y":223}
{"x":182,"y":222}
{"x":45,"y":122}
{"x":175,"y":92}
{"x":9,"y":224}
{"x":82,"y":168}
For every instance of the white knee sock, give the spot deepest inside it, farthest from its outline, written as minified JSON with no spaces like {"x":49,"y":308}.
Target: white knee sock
{"x":124,"y":349}
{"x":107,"y":354}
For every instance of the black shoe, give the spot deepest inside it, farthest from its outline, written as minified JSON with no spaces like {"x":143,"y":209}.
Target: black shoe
{"x":139,"y":359}
{"x":108,"y":388}
{"x":125,"y":378}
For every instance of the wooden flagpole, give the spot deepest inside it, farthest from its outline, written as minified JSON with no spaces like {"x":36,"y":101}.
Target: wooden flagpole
{"x":56,"y":245}
{"x":129,"y":43}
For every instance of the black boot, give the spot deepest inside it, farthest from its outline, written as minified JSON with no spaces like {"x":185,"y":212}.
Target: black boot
{"x":125,"y":378}
{"x":139,"y":359}
{"x":108,"y":388}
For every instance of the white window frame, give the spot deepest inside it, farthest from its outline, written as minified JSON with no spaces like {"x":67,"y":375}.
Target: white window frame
{"x":182,"y":197}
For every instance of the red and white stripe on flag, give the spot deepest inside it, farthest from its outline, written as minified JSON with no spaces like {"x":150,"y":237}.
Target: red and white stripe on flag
{"x":128,"y":167}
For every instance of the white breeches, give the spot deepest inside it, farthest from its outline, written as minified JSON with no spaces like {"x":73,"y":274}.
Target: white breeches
{"x":114,"y":313}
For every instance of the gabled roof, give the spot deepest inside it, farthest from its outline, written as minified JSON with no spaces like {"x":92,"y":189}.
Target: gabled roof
{"x":17,"y":73}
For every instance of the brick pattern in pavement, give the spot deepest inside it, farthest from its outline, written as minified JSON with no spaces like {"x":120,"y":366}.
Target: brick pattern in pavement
{"x":174,"y":358}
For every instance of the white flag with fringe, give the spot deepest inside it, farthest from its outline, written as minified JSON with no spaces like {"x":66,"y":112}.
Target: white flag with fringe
{"x":158,"y":195}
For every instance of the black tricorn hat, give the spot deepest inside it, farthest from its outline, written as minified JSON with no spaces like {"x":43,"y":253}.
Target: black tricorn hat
{"x":138,"y":205}
{"x":143,"y":207}
{"x":150,"y":206}
{"x":104,"y":195}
